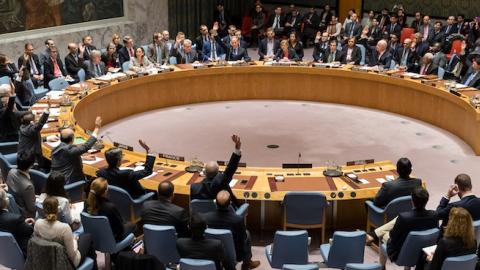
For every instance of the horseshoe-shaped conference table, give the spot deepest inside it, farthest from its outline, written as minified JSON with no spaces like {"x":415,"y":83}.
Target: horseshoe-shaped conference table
{"x":425,"y":100}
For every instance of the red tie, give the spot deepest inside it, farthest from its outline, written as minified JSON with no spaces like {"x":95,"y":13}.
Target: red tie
{"x":131,"y":52}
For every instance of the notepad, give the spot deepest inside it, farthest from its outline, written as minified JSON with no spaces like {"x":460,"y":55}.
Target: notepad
{"x":429,"y":250}
{"x":91,"y":162}
{"x":233,"y":183}
{"x":381,"y":180}
{"x":151,"y":175}
{"x":363,"y":181}
{"x":390,"y":177}
{"x":54,"y":144}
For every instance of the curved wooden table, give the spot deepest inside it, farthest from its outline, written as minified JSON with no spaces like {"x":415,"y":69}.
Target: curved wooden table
{"x":187,"y":86}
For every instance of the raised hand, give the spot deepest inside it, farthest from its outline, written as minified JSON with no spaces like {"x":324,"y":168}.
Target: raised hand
{"x":452,"y":191}
{"x":237,"y":141}
{"x":98,"y":122}
{"x":144,"y":145}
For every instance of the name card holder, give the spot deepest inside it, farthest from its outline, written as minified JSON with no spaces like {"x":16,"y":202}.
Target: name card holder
{"x":123,"y":146}
{"x":171,"y":157}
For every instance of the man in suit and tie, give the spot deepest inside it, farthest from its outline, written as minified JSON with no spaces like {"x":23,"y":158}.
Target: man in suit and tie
{"x":212,"y":49}
{"x":321,"y":46}
{"x":438,"y":34}
{"x":18,"y":226}
{"x":277,"y":22}
{"x":29,"y":137}
{"x":293,"y":22}
{"x":421,"y":46}
{"x":156,"y":51}
{"x":21,"y":186}
{"x":225,"y":218}
{"x":167,"y":42}
{"x":394,"y":27}
{"x":384,"y":18}
{"x":88,"y":47}
{"x":126,"y":179}
{"x":462,"y":27}
{"x":164,"y":212}
{"x":352,"y":29}
{"x":417,"y":21}
{"x":66,"y":157}
{"x":439,"y":58}
{"x":402,"y":186}
{"x":235,"y":52}
{"x":462,"y":188}
{"x":186,"y":55}
{"x":426,"y":29}
{"x":74,"y":61}
{"x":427,"y":67}
{"x":45,"y":54}
{"x":450,"y":28}
{"x":202,"y":38}
{"x":127,"y":51}
{"x":333,"y":54}
{"x":223,"y":19}
{"x":95,"y":67}
{"x":377,"y":55}
{"x":350,"y":53}
{"x":216,"y":181}
{"x":53,"y":67}
{"x":472,"y":78}
{"x":394,"y":43}
{"x":268,"y":46}
{"x":406,"y":56}
{"x":32,"y":63}
{"x":311,"y":21}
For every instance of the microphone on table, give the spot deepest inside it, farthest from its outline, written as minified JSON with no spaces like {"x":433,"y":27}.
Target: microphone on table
{"x":106,"y":135}
{"x":298,"y":162}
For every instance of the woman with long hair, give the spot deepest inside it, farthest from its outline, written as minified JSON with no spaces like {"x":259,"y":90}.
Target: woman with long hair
{"x":55,"y":188}
{"x":296,"y":44}
{"x":99,"y":205}
{"x":286,"y":53}
{"x":110,"y":57}
{"x":140,"y":60}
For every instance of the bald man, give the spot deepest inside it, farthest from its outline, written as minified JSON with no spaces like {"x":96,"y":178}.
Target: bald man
{"x":216,"y":181}
{"x":225,"y":218}
{"x":66,"y":157}
{"x":74,"y":60}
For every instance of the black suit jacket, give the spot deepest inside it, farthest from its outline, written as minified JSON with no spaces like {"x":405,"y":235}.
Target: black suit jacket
{"x":397,"y":29}
{"x":128,"y":179}
{"x":242,"y":54}
{"x":356,"y":55}
{"x":88,"y":51}
{"x":108,"y":209}
{"x":48,"y":73}
{"x":36,"y":61}
{"x":10,"y":121}
{"x":73,"y":66}
{"x":209,"y":187}
{"x":29,"y":138}
{"x":357,"y":30}
{"x":228,"y":220}
{"x":123,"y":55}
{"x":181,"y":56}
{"x":15,"y":224}
{"x":412,"y":57}
{"x":203,"y":249}
{"x":448,"y":31}
{"x":338,"y":56}
{"x":415,"y":220}
{"x":292,"y":55}
{"x":319,"y":50}
{"x":438,"y":37}
{"x":394,"y":189}
{"x":470,"y":203}
{"x":473,"y":83}
{"x":431,"y":70}
{"x":163,"y":212}
{"x":449,"y":247}
{"x":263,"y":48}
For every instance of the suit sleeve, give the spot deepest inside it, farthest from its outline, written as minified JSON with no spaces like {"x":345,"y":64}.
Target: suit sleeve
{"x":149,"y":162}
{"x":231,"y":167}
{"x":182,"y":228}
{"x":78,"y":150}
{"x":246,"y":57}
{"x":381,"y":197}
{"x":439,"y":256}
{"x":30,"y":207}
{"x":260,"y":50}
{"x":39,"y":125}
{"x":443,"y":208}
{"x":397,"y":234}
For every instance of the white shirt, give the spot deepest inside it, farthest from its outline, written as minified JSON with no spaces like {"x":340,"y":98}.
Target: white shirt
{"x":270,"y":47}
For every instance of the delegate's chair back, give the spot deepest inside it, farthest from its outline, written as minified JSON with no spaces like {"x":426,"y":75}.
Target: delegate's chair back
{"x":58,"y":84}
{"x":81,"y":75}
{"x":466,"y":262}
{"x":122,"y":200}
{"x":196,"y":264}
{"x":4,"y":80}
{"x":441,"y":73}
{"x":5,"y":166}
{"x":397,"y":206}
{"x":226,"y":237}
{"x":300,"y":267}
{"x":39,"y":180}
{"x":476,"y":225}
{"x":363,"y":52}
{"x":11,"y":255}
{"x":363,"y":266}
{"x":126,"y":66}
{"x":347,"y":247}
{"x":413,"y":245}
{"x":289,"y":247}
{"x":202,"y":206}
{"x":161,"y":242}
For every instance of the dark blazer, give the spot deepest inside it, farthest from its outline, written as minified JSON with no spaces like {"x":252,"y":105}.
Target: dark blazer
{"x":48,"y":69}
{"x":29,"y":138}
{"x":163,"y":212}
{"x":338,"y":56}
{"x":473,"y":83}
{"x":263,"y":48}
{"x":123,"y":55}
{"x":385,"y":60}
{"x":311,"y":27}
{"x":8,"y":70}
{"x":204,"y":249}
{"x":66,"y":159}
{"x":209,"y":187}
{"x":394,"y":189}
{"x":271,"y":19}
{"x":152,"y":53}
{"x":356,"y":27}
{"x":431,"y":70}
{"x":356,"y":55}
{"x":10,"y":121}
{"x":429,"y":35}
{"x":397,"y":29}
{"x":414,"y":220}
{"x":91,"y":71}
{"x":128,"y":179}
{"x":448,"y":31}
{"x":199,"y":42}
{"x":36,"y":61}
{"x":375,"y":33}
{"x":296,"y":25}
{"x":88,"y":50}
{"x":182,"y":58}
{"x":108,"y":209}
{"x":298,"y":49}
{"x":242,"y":54}
{"x":207,"y":49}
{"x":470,"y":203}
{"x":412,"y":57}
{"x":73,"y":66}
{"x":115,"y":61}
{"x":438,"y":37}
{"x":228,"y":220}
{"x":319,"y":50}
{"x":15,"y":224}
{"x":449,"y":247}
{"x":422,"y":48}
{"x":292,"y":55}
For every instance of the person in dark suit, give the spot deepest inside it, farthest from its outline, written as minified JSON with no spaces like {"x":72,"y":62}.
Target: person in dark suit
{"x":333,"y":54}
{"x":321,"y":46}
{"x":417,"y":21}
{"x":215,"y":181}
{"x":325,"y":17}
{"x":9,"y":116}
{"x":225,"y":218}
{"x":350,"y":53}
{"x":8,"y":68}
{"x":212,"y":49}
{"x":406,"y":56}
{"x":156,"y":52}
{"x":29,"y":138}
{"x":438,"y":34}
{"x":421,"y":46}
{"x":402,"y":186}
{"x":31,"y":62}
{"x":95,"y":67}
{"x":199,"y":247}
{"x":427,"y":67}
{"x":352,"y":29}
{"x":394,"y":44}
{"x":110,"y":57}
{"x":66,"y":157}
{"x":19,"y":227}
{"x":127,"y":51}
{"x":164,"y":212}
{"x":74,"y":61}
{"x":394,"y":27}
{"x":450,"y":28}
{"x":378,"y":55}
{"x":311,"y":20}
{"x":97,"y":204}
{"x":374,"y":33}
{"x":277,"y":22}
{"x":126,"y":179}
{"x":223,"y":19}
{"x":53,"y":68}
{"x":202,"y":38}
{"x":21,"y":186}
{"x":87,"y":47}
{"x":258,"y":25}
{"x":186,"y":55}
{"x":293,"y":23}
{"x":462,"y":26}
{"x":269,"y":46}
{"x":426,"y":29}
{"x":472,"y":78}
{"x":234,"y":52}
{"x":296,"y":45}
{"x":383,"y":18}
{"x":462,"y":188}
{"x":286,"y":53}
{"x":458,"y":239}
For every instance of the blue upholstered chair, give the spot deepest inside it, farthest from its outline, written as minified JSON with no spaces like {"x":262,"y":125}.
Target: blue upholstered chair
{"x":172,"y":60}
{"x":102,"y":235}
{"x":128,"y":207}
{"x":393,"y":64}
{"x":289,"y":247}
{"x":39,"y":180}
{"x":466,"y":262}
{"x":5,"y":166}
{"x":196,"y":264}
{"x":347,"y":247}
{"x":76,"y":191}
{"x":205,"y":206}
{"x":12,"y":205}
{"x":81,"y":75}
{"x":476,"y":225}
{"x":441,"y":73}
{"x":161,"y":242}
{"x":86,"y":265}
{"x":311,"y":266}
{"x":304,"y":210}
{"x":126,"y":66}
{"x":226,"y":237}
{"x":11,"y":255}
{"x":363,"y":266}
{"x":377,"y":216}
{"x":363,"y":52}
{"x":9,"y":151}
{"x":413,"y":245}
{"x":58,"y":84}
{"x":38,"y":92}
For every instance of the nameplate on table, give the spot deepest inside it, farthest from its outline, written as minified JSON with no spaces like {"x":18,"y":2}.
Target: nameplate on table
{"x":456,"y":93}
{"x":224,"y":163}
{"x":123,"y":146}
{"x":360,"y":162}
{"x":171,"y":157}
{"x":297,"y":165}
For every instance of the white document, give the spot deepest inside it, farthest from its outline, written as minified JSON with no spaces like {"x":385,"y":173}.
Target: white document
{"x":151,"y":175}
{"x":429,"y":250}
{"x":381,"y":180}
{"x":91,"y":162}
{"x":233,"y":183}
{"x":363,"y":181}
